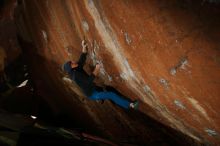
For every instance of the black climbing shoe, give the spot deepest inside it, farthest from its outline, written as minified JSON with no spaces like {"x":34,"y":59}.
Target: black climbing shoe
{"x":134,"y":105}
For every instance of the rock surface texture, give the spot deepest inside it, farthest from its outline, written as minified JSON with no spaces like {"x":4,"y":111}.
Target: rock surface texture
{"x":166,"y":54}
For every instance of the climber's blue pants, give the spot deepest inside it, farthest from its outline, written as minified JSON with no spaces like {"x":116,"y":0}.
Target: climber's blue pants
{"x":102,"y":95}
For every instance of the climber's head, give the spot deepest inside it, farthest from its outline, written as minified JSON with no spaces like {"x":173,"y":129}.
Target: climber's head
{"x":68,"y":66}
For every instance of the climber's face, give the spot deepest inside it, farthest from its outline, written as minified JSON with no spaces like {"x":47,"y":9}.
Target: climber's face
{"x":74,"y":64}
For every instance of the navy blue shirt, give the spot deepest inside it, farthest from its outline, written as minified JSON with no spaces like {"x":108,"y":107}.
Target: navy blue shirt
{"x":82,"y":79}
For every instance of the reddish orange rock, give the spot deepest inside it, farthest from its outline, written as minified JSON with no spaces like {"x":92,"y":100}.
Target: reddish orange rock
{"x":165,"y":54}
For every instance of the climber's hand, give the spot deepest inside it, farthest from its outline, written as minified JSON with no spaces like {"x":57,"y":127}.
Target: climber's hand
{"x":84,"y":46}
{"x":97,"y":69}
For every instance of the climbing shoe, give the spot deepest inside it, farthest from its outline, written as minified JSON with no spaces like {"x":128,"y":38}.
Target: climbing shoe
{"x":134,"y":105}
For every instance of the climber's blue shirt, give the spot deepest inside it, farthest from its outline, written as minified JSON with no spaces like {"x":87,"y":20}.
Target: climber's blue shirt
{"x":82,"y":79}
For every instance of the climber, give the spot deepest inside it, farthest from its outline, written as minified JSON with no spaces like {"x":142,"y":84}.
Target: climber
{"x":85,"y":81}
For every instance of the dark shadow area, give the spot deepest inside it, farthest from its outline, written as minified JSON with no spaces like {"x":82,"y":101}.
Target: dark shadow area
{"x":169,"y":135}
{"x":2,"y":3}
{"x":55,"y":136}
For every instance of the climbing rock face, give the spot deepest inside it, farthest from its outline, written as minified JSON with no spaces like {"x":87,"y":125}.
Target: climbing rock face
{"x":164,"y":54}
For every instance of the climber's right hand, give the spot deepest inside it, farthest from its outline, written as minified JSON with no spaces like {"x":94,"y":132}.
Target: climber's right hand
{"x":84,"y":46}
